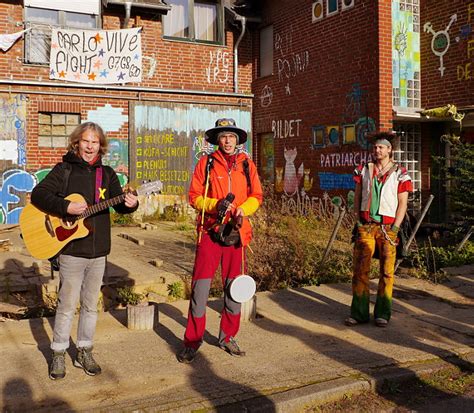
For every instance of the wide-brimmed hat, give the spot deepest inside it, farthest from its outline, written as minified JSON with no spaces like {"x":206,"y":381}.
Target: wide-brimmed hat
{"x":225,"y":125}
{"x":382,"y":136}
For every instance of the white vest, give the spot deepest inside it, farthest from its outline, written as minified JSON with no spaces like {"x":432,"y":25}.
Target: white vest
{"x":389,"y":193}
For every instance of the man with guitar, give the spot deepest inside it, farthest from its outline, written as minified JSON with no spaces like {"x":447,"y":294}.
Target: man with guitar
{"x":82,"y":261}
{"x":225,"y":189}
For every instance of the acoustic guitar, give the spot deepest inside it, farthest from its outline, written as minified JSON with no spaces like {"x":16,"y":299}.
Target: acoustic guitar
{"x":46,"y":235}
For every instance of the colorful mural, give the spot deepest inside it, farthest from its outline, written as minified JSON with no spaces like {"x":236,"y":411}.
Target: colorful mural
{"x":406,"y":54}
{"x":167,"y":139}
{"x":12,"y":130}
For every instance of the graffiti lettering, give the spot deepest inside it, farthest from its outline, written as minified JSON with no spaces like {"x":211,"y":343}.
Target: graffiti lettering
{"x":464,"y":72}
{"x":286,"y":128}
{"x":292,"y":66}
{"x":218,"y":68}
{"x":335,"y":160}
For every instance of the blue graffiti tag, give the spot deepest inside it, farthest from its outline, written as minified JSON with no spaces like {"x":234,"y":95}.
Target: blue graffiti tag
{"x":329,"y":181}
{"x":14,"y":181}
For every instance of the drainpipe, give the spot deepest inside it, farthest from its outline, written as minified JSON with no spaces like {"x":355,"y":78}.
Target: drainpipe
{"x":243,"y":20}
{"x":128,"y":9}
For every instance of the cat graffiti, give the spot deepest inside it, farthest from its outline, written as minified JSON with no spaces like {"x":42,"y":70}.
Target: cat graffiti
{"x":292,"y":178}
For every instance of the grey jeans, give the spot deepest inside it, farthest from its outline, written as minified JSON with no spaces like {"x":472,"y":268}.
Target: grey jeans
{"x":80,"y":280}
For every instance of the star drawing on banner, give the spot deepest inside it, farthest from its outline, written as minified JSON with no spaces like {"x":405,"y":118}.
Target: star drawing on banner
{"x":121,"y":76}
{"x":62,"y":73}
{"x":77,"y":76}
{"x":52,"y":72}
{"x":97,"y":38}
{"x":102,"y":193}
{"x":54,"y":45}
{"x":97,"y":64}
{"x":137,"y":56}
{"x":91,"y":76}
{"x":104,"y":73}
{"x":101,"y":52}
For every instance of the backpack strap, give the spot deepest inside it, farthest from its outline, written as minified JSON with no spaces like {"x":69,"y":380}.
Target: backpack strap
{"x":247,"y":173}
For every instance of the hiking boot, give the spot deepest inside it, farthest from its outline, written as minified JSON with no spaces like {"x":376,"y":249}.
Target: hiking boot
{"x":86,"y":361}
{"x":186,"y":355}
{"x":381,"y":322}
{"x":232,"y":348}
{"x":57,"y":368}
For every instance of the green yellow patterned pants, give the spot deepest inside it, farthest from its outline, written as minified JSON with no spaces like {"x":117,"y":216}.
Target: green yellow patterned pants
{"x":370,"y":237}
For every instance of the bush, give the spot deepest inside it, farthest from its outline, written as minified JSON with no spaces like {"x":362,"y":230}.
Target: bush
{"x":121,"y":219}
{"x":175,"y":290}
{"x":288,"y":249}
{"x":128,"y":296}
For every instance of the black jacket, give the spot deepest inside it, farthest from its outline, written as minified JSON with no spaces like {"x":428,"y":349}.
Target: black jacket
{"x":48,"y":196}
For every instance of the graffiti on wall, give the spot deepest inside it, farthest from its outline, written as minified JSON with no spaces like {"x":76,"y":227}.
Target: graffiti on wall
{"x":344,"y":159}
{"x":109,"y":118}
{"x":266,"y":96}
{"x":324,"y":206}
{"x":290,"y":64}
{"x":283,"y":128}
{"x":406,"y":54}
{"x":332,"y":8}
{"x":117,"y":155}
{"x":13,"y":129}
{"x":440,"y":41}
{"x":218,"y":67}
{"x":464,"y":71}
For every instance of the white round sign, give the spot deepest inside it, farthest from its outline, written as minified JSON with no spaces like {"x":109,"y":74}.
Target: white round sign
{"x":242,"y":288}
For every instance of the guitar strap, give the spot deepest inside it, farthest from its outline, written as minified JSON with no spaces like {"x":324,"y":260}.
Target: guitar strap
{"x":98,"y":183}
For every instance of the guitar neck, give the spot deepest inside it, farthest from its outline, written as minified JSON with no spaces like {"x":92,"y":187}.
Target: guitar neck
{"x":102,"y":205}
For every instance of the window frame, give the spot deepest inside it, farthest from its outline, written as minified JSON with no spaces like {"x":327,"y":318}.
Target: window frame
{"x":46,"y":30}
{"x":192,"y":35}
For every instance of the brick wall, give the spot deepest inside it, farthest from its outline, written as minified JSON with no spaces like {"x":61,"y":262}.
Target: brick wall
{"x":451,"y":81}
{"x":340,"y":73}
{"x":179,"y":65}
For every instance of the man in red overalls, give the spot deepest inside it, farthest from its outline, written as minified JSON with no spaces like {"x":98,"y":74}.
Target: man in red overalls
{"x":224,"y":183}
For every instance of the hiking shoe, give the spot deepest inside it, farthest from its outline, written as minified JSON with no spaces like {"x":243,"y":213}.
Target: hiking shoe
{"x":57,"y":368}
{"x":86,"y":361}
{"x":232,"y":348}
{"x":351,"y":322}
{"x":381,"y":322}
{"x":186,"y":355}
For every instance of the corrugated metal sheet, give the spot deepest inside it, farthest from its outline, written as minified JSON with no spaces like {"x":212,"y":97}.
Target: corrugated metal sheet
{"x":77,"y":6}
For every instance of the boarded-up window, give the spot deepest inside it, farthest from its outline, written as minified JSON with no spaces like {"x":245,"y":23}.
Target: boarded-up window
{"x":55,"y":128}
{"x":266,"y":51}
{"x":41,"y":23}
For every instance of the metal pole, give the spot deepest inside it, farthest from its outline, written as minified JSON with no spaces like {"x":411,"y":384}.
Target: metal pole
{"x":464,"y":240}
{"x":418,"y":223}
{"x":333,"y":235}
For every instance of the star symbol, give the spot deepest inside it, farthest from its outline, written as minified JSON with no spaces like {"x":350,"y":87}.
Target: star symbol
{"x":97,"y":64}
{"x":91,"y":76}
{"x":97,"y":38}
{"x":62,"y":73}
{"x":54,"y":45}
{"x":137,"y":56}
{"x":101,"y":52}
{"x":121,"y":76}
{"x":77,"y":76}
{"x":52,"y":72}
{"x":104,"y":73}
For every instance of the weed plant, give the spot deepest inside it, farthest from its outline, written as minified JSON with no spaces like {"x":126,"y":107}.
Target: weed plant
{"x":288,"y":249}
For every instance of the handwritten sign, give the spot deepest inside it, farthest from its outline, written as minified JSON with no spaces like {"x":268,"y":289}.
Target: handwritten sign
{"x":164,"y":156}
{"x":96,"y":56}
